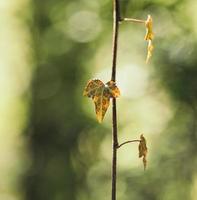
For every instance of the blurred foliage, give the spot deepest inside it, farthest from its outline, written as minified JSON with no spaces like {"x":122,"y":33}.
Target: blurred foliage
{"x":55,"y":149}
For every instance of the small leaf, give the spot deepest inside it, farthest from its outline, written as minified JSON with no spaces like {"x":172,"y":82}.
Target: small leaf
{"x":91,"y":87}
{"x":101,"y":94}
{"x":114,"y":91}
{"x":149,"y":28}
{"x":143,"y":150}
{"x":149,"y":36}
{"x":149,"y":50}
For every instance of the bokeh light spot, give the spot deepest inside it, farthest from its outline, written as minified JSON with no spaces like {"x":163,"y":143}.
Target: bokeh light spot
{"x":83,"y":26}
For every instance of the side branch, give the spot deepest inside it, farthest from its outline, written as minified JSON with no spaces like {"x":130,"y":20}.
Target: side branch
{"x":130,"y":141}
{"x":133,"y":20}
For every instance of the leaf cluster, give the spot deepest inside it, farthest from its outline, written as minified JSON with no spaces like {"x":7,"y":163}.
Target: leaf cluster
{"x":101,"y":94}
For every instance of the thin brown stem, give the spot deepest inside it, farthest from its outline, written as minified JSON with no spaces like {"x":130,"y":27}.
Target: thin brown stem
{"x":114,"y":147}
{"x":116,"y":19}
{"x":133,"y":20}
{"x":130,"y":141}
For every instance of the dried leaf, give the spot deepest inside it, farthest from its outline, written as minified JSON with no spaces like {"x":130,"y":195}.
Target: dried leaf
{"x":101,"y":94}
{"x":149,"y":36}
{"x":113,"y":89}
{"x":149,"y":28}
{"x":143,"y":150}
{"x":149,"y":50}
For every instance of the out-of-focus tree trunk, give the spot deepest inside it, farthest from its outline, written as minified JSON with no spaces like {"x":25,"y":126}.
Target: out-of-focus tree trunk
{"x":56,"y":117}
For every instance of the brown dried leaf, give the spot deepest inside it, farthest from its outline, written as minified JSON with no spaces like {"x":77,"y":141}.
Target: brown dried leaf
{"x":91,"y":87}
{"x":149,"y":36}
{"x":143,"y":150}
{"x":114,"y":91}
{"x":101,"y":94}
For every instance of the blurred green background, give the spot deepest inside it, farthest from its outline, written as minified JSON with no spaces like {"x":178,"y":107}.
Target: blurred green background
{"x":51,"y":146}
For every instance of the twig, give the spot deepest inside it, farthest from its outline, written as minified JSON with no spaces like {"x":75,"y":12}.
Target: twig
{"x":130,"y":141}
{"x":133,"y":20}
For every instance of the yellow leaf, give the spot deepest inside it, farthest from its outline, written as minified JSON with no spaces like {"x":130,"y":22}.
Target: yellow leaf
{"x":101,"y":94}
{"x":149,"y":28}
{"x":149,"y":36}
{"x":91,"y":87}
{"x":143,"y":150}
{"x":115,"y":92}
{"x":149,"y":50}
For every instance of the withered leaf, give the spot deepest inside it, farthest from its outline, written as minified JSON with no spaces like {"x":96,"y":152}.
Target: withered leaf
{"x":149,"y":36}
{"x":149,"y":28}
{"x":149,"y":50}
{"x":113,"y":89}
{"x":143,"y":150}
{"x":101,"y":94}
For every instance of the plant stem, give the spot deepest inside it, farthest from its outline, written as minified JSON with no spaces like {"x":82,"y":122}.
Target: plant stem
{"x":114,"y":151}
{"x":116,"y":19}
{"x":130,"y":141}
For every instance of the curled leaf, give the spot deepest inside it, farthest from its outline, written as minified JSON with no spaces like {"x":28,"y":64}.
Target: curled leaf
{"x":149,"y":50}
{"x":149,"y":28}
{"x":149,"y":36}
{"x":101,"y":94}
{"x":143,"y":150}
